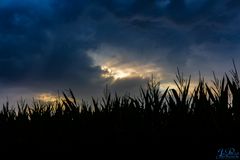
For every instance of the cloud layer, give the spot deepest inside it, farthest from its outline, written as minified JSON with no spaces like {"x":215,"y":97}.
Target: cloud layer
{"x":45,"y":44}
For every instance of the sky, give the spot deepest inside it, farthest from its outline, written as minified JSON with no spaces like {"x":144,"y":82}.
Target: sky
{"x":48,"y":46}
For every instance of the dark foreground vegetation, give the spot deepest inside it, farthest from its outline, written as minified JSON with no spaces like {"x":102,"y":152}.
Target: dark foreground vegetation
{"x":208,"y":117}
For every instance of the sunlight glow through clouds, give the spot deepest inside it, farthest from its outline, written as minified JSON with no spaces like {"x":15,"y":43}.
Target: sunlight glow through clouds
{"x":47,"y":97}
{"x":114,"y":73}
{"x":116,"y":66}
{"x":131,"y":71}
{"x":115,"y":69}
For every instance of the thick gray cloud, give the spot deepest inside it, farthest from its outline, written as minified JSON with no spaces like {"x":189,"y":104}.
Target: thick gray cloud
{"x":44,"y":44}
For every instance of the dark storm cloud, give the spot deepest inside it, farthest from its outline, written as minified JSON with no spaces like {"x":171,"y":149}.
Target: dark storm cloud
{"x":45,"y":42}
{"x":193,"y":35}
{"x":179,"y":26}
{"x":38,"y":47}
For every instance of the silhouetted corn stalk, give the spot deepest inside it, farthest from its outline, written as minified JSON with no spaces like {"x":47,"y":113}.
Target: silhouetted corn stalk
{"x":234,"y":87}
{"x":22,"y":113}
{"x":7,"y":114}
{"x":178,"y":101}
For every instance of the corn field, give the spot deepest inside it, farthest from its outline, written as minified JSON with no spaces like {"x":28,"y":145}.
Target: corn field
{"x":211,"y":111}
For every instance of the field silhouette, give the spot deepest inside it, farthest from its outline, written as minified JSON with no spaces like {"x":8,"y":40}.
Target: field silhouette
{"x":208,"y":117}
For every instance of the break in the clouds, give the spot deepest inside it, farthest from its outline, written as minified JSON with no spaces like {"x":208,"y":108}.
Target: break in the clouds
{"x":50,"y":45}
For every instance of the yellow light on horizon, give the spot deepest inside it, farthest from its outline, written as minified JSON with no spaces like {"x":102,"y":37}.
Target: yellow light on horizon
{"x":47,"y":97}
